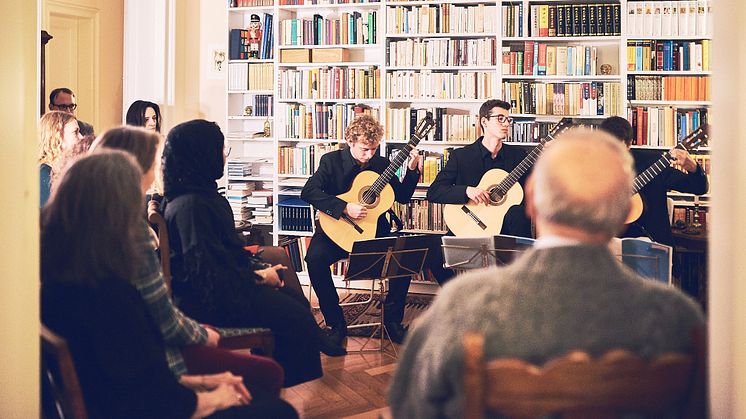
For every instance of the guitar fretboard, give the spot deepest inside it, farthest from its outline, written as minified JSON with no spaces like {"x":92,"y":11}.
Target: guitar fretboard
{"x":502,"y":188}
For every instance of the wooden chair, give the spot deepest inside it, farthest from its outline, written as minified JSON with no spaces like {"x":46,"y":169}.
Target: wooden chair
{"x":577,"y":386}
{"x":61,"y":394}
{"x":255,"y":338}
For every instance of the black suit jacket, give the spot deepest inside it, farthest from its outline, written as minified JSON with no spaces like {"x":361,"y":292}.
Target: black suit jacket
{"x":465,"y":167}
{"x":334,"y":176}
{"x":654,"y":221}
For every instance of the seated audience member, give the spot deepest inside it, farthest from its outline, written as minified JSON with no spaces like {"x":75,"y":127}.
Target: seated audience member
{"x":654,"y":221}
{"x":59,"y":136}
{"x":215,"y":280}
{"x":178,"y":330}
{"x":142,"y":113}
{"x":566,"y":293}
{"x":63,"y":99}
{"x":89,"y":256}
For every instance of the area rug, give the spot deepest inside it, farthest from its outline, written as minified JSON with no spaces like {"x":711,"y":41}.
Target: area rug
{"x":415,"y":305}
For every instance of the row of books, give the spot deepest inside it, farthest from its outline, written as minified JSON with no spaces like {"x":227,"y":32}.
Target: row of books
{"x":541,"y":59}
{"x":236,"y":194}
{"x":356,"y":28}
{"x":441,"y":18}
{"x":295,"y":214}
{"x":512,"y":16}
{"x":326,"y":121}
{"x":573,"y":19}
{"x":669,"y":18}
{"x":453,"y":125}
{"x":663,"y":126}
{"x":266,"y":44}
{"x":679,"y":88}
{"x":577,"y":98}
{"x":262,"y":105}
{"x":302,"y":159}
{"x":420,"y":214}
{"x":251,"y":3}
{"x":323,"y":2}
{"x":529,"y":131}
{"x":297,"y":247}
{"x":652,"y":55}
{"x":238,"y":44}
{"x":442,"y":52}
{"x":239,"y":168}
{"x":330,"y":83}
{"x":427,"y":84}
{"x":251,"y":76}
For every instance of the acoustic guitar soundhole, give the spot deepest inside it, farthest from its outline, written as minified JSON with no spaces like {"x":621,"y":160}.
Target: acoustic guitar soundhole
{"x":369,"y":200}
{"x":496,"y":198}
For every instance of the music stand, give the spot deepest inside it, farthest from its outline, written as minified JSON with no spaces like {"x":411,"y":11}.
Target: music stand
{"x":464,"y":253}
{"x":649,"y":259}
{"x":381,"y":259}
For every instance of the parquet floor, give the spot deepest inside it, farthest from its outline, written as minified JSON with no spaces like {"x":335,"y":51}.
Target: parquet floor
{"x":353,"y":386}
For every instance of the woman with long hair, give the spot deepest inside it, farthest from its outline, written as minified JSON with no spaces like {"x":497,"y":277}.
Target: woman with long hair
{"x":146,"y":114}
{"x":188,"y":343}
{"x":89,"y":253}
{"x":59,"y":135}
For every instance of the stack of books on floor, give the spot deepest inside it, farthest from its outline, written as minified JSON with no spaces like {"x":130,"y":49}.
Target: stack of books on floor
{"x":260,"y":203}
{"x":237,"y":195}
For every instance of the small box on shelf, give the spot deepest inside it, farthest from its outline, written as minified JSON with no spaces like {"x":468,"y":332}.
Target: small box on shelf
{"x":295,"y":55}
{"x":330,"y":55}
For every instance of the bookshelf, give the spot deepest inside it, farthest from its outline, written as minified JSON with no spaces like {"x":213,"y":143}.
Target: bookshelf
{"x":398,"y":59}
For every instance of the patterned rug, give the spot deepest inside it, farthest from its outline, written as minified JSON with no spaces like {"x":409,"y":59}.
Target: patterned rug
{"x":415,"y":305}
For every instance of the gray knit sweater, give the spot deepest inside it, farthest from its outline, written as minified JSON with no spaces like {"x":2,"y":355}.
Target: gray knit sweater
{"x":548,"y":302}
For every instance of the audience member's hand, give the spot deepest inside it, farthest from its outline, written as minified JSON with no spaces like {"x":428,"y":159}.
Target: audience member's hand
{"x":355,"y":211}
{"x":213,"y":381}
{"x":270,"y":277}
{"x":213,"y":337}
{"x":227,"y":396}
{"x":478,"y":196}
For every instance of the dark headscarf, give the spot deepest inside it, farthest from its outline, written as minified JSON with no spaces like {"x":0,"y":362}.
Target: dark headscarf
{"x":192,"y":158}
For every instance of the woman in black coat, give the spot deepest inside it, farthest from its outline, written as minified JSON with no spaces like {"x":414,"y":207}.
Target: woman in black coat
{"x":215,"y":280}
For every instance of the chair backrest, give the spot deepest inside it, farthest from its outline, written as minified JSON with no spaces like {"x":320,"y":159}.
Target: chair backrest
{"x":61,"y":394}
{"x":156,"y":218}
{"x":575,"y":385}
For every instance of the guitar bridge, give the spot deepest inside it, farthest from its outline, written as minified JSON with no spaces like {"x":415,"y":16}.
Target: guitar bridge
{"x":474,"y":217}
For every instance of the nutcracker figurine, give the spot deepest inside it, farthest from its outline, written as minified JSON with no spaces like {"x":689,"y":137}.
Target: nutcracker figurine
{"x":255,"y":36}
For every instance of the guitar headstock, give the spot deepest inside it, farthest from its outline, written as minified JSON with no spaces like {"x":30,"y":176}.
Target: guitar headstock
{"x":700,"y":137}
{"x":563,"y":125}
{"x":423,"y":127}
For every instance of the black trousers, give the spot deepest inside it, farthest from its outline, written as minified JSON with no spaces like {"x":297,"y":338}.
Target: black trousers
{"x":323,"y":252}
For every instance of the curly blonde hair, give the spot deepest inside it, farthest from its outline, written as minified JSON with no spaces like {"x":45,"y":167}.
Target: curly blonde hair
{"x":51,"y":129}
{"x":364,"y":128}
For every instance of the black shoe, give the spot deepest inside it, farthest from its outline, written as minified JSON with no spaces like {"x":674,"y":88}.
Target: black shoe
{"x":337,"y":335}
{"x":328,"y":345}
{"x":396,"y":331}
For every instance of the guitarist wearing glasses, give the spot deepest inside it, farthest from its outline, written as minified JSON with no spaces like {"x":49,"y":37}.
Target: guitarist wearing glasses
{"x":654,"y":220}
{"x":334,"y":176}
{"x":457,"y":182}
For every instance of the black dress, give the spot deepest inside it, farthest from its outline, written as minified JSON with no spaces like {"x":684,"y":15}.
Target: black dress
{"x":214,"y":282}
{"x":119,"y":355}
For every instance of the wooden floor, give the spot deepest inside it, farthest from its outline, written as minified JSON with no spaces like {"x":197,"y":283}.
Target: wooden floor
{"x":353,"y":386}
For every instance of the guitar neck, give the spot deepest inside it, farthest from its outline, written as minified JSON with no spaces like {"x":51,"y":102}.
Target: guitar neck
{"x":400,"y":157}
{"x":654,"y":170}
{"x":525,"y":164}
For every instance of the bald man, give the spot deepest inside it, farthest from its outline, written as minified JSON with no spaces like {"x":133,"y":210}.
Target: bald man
{"x":568,"y":292}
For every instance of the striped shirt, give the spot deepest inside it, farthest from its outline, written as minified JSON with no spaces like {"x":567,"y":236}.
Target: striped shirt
{"x":177,"y":329}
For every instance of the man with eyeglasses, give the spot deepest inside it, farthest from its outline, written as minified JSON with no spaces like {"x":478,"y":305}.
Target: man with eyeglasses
{"x":63,"y":99}
{"x":457,"y":182}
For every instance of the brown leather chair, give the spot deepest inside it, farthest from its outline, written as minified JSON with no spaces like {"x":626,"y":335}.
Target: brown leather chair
{"x":577,"y":386}
{"x":61,"y":394}
{"x":255,"y":338}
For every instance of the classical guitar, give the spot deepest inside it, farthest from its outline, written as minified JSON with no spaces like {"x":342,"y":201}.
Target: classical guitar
{"x":473,"y":219}
{"x":696,"y":138}
{"x":373,"y":192}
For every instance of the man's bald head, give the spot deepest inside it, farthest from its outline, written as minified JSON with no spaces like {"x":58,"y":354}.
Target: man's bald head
{"x":583,"y":181}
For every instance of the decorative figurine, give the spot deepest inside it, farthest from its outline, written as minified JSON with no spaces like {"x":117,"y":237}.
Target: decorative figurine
{"x":255,"y":36}
{"x":267,"y":129}
{"x":248,"y":110}
{"x":605,"y":69}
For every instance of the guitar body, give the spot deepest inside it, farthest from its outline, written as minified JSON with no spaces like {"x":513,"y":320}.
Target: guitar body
{"x":342,"y":232}
{"x":635,"y":210}
{"x":464,"y":223}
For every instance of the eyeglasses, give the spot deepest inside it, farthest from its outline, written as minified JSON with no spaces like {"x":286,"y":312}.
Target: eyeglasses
{"x":227,"y":151}
{"x":501,"y":118}
{"x":70,"y":107}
